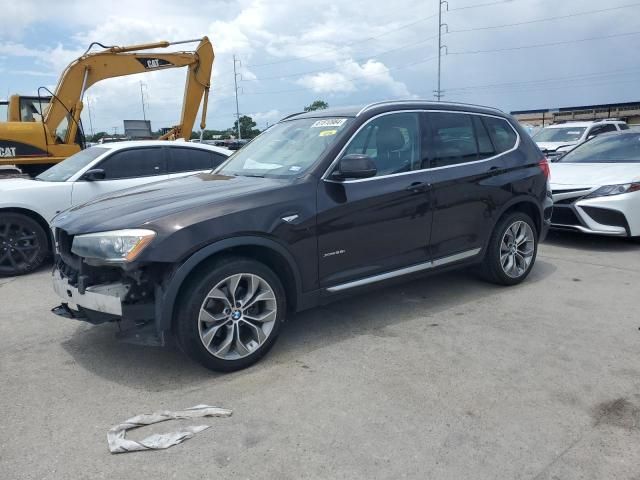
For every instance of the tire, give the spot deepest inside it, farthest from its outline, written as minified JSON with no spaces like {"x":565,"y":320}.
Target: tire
{"x":207,"y":321}
{"x":24,"y":244}
{"x":493,"y":267}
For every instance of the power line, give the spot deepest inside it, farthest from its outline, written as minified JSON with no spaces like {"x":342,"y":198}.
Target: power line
{"x":347,"y":80}
{"x":481,"y":5}
{"x":548,"y":19}
{"x":546,"y":80}
{"x":551,"y":44}
{"x":360,"y":59}
{"x":401,"y":27}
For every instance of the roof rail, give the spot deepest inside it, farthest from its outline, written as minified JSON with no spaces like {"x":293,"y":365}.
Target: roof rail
{"x":613,"y":119}
{"x":391,"y":102}
{"x":290,"y":115}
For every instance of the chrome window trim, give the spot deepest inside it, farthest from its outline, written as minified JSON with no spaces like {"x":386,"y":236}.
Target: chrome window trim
{"x":325,"y":175}
{"x":405,"y":271}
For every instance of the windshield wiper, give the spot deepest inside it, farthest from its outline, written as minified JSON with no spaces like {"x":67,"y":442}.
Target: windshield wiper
{"x":254,"y":175}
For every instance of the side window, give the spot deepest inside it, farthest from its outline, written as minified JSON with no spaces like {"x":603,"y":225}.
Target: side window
{"x":609,"y":127}
{"x":137,"y":162}
{"x":451,"y":140}
{"x":189,"y":159}
{"x":502,"y":134}
{"x":218,"y":158}
{"x":392,"y":141}
{"x":623,"y":126}
{"x":485,"y":147}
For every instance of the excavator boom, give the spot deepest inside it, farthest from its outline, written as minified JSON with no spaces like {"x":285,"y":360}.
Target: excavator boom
{"x":55,"y":137}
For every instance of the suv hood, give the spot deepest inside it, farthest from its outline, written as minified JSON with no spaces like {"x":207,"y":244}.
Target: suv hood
{"x":137,"y":206}
{"x":593,"y":174}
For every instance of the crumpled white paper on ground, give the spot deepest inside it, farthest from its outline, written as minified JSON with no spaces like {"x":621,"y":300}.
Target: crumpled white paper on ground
{"x":119,"y":444}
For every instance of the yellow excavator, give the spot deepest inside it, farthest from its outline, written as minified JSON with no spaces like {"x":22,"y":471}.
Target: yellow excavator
{"x":44,"y":130}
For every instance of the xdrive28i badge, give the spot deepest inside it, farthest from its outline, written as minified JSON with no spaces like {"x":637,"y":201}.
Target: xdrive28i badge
{"x":153,"y":62}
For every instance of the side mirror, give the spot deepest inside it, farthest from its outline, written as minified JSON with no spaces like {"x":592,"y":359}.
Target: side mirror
{"x":355,"y":165}
{"x":94,"y":174}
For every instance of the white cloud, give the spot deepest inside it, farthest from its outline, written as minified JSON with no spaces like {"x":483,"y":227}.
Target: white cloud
{"x":353,"y":76}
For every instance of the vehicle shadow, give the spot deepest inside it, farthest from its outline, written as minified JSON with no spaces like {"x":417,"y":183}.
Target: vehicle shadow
{"x":166,"y":369}
{"x":595,"y":243}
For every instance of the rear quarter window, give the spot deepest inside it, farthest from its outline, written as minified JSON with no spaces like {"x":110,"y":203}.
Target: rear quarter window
{"x":502,"y":135}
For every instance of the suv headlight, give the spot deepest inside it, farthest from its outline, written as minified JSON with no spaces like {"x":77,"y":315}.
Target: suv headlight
{"x":117,"y":246}
{"x":608,"y":190}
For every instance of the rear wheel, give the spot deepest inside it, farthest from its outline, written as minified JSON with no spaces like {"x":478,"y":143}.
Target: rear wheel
{"x":230,"y":316}
{"x":512,"y":250}
{"x":24,"y":244}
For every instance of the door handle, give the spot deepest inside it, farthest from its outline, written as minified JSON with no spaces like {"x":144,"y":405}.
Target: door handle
{"x":418,"y":187}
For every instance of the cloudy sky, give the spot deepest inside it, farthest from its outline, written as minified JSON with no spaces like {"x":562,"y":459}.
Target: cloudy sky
{"x":513,"y":54}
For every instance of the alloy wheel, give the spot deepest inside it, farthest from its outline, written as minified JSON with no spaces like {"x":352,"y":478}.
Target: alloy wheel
{"x":516,"y":249}
{"x":19,"y":247}
{"x":237,"y":316}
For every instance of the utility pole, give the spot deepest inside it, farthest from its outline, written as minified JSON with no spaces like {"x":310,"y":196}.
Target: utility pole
{"x":439,"y":93}
{"x":144,"y":113}
{"x":235,"y":81}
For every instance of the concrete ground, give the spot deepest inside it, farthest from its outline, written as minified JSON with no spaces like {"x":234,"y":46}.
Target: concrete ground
{"x":444,"y":377}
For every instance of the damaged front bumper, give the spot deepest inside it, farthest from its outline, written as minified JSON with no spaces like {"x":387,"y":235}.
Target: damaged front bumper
{"x":107,"y":302}
{"x":106,"y":298}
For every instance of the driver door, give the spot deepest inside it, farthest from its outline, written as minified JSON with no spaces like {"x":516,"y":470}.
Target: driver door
{"x":123,"y":169}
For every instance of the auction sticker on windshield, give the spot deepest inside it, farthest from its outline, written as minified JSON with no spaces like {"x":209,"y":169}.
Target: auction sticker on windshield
{"x":326,"y":133}
{"x":330,"y":122}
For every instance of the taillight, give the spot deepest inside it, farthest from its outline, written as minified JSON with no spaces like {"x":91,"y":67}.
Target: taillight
{"x":544,"y":166}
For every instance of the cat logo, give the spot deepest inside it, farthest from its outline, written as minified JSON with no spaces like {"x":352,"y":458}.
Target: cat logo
{"x":151,"y":63}
{"x":7,"y":152}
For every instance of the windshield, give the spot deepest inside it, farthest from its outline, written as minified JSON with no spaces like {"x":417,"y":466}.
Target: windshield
{"x":607,"y":149}
{"x":568,"y":134}
{"x":63,"y":171}
{"x":287,"y":149}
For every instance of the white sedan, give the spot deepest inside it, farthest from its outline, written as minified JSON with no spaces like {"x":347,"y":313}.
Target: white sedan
{"x":596,"y":186}
{"x":27,"y":206}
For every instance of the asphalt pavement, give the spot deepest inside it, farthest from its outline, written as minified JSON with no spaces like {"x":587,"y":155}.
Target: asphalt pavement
{"x":444,"y":377}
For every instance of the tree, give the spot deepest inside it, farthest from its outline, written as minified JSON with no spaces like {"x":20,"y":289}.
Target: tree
{"x":317,"y":105}
{"x":98,"y":136}
{"x":246,"y":127}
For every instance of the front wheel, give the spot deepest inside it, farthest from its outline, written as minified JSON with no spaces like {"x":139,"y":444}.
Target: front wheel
{"x":231,"y":314}
{"x":24,"y":245}
{"x":512,"y":250}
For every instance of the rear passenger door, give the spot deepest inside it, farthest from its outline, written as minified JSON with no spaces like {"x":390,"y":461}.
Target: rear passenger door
{"x":185,"y":161}
{"x":123,"y":169}
{"x":466,"y":155}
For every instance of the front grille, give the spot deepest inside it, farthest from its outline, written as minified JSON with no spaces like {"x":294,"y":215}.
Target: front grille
{"x":606,"y":216}
{"x":564,"y":216}
{"x":64,"y":241}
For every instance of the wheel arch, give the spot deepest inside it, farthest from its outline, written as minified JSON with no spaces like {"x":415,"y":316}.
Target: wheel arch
{"x":525,"y":205}
{"x":34,"y":216}
{"x":264,"y":250}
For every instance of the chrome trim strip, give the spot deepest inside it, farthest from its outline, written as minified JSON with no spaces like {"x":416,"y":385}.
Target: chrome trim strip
{"x":325,"y":175}
{"x":454,"y":258}
{"x":405,"y":271}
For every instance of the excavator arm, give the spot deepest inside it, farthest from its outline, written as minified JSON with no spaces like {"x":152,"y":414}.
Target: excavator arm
{"x":120,"y":61}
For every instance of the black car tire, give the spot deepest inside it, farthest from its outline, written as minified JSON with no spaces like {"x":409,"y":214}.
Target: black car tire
{"x":491,"y":268}
{"x":187,"y":320}
{"x":24,"y":244}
